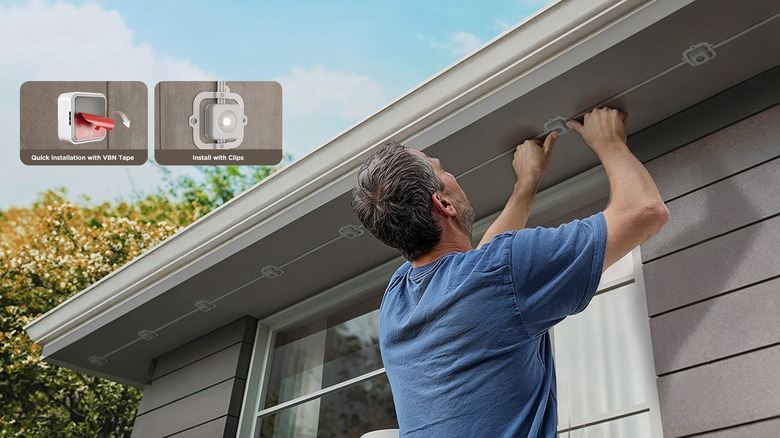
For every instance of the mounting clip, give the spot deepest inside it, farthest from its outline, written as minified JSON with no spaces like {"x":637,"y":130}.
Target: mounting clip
{"x":699,"y":54}
{"x":271,"y":272}
{"x":205,"y":306}
{"x":147,"y":335}
{"x":97,"y":360}
{"x":350,"y":231}
{"x":224,"y":123}
{"x":557,"y":124}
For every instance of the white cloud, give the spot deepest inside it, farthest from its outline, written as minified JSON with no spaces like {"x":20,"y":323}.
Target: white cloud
{"x":458,"y":43}
{"x":46,"y":41}
{"x":319,"y":103}
{"x":313,"y":91}
{"x":49,"y":41}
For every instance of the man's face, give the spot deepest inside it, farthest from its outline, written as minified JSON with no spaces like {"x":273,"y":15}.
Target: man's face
{"x":453,"y":190}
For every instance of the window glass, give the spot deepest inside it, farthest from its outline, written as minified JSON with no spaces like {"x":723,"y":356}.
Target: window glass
{"x":607,"y":366}
{"x":330,"y":349}
{"x":350,"y":412}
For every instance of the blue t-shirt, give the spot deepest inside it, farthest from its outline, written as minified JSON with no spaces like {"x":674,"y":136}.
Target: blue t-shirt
{"x":464,"y":338}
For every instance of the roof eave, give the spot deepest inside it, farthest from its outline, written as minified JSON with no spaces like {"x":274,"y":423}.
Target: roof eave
{"x":526,"y":50}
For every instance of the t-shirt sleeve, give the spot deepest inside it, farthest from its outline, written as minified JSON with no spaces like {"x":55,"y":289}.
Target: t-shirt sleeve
{"x":555,"y":271}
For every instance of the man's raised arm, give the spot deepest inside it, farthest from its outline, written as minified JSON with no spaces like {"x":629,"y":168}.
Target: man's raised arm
{"x":636,"y":211}
{"x":530,"y":163}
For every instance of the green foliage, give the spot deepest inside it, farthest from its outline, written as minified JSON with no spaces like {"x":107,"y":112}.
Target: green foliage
{"x":54,"y":249}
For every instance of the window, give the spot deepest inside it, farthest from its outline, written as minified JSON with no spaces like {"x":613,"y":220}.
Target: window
{"x":326,"y":377}
{"x":604,"y":363}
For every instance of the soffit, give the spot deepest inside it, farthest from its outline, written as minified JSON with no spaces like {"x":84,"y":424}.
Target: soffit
{"x":309,"y":248}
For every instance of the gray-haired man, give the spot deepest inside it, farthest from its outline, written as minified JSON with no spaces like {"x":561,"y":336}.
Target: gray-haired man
{"x":463,"y":331}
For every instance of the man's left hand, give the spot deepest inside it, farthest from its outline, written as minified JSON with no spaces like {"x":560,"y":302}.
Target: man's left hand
{"x":531,"y":160}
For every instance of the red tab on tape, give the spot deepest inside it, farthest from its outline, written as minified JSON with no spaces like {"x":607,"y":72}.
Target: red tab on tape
{"x":90,"y":127}
{"x":98,"y":121}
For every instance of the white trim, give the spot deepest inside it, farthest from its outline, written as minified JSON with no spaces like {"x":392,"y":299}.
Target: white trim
{"x":656,"y":428}
{"x":255,"y":378}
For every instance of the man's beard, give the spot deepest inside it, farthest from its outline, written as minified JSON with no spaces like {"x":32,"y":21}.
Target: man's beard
{"x":466,"y":214}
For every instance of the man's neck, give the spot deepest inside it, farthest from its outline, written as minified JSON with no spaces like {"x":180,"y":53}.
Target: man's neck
{"x":448,"y":244}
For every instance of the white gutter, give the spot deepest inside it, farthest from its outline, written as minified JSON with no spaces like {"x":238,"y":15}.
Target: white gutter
{"x":527,"y":49}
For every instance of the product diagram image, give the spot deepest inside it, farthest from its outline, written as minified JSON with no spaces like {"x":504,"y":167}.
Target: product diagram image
{"x":218,"y":123}
{"x":81,"y":117}
{"x":85,"y":123}
{"x":223,"y":123}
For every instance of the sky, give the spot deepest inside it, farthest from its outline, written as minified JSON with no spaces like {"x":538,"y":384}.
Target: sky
{"x":337,"y":62}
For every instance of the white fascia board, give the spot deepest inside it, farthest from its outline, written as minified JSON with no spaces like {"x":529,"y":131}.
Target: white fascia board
{"x":320,"y":176}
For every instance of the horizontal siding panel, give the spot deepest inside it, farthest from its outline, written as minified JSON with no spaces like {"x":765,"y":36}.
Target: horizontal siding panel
{"x":218,"y":367}
{"x":197,"y":409}
{"x":225,"y":427}
{"x":729,"y":204}
{"x":723,"y":109}
{"x":241,"y":330}
{"x":726,"y":152}
{"x":717,"y":328}
{"x":740,"y":258}
{"x":580,"y":213}
{"x":738,"y":390}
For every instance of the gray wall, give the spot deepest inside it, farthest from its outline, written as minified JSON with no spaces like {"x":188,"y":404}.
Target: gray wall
{"x":198,"y":388}
{"x":712,"y":276}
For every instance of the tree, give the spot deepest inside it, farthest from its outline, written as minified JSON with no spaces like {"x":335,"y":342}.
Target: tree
{"x":56,"y":248}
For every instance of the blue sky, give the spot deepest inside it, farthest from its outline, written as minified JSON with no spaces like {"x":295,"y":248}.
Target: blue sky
{"x":337,"y":61}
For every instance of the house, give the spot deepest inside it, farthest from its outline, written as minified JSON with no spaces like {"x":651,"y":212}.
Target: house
{"x":262,"y":315}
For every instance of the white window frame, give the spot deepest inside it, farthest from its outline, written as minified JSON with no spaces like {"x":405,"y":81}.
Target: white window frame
{"x":259,"y":368}
{"x":613,"y":279}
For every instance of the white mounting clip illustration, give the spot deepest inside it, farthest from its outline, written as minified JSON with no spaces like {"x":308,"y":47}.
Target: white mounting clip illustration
{"x":224,"y":122}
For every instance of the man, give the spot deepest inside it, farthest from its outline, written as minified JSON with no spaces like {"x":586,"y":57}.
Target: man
{"x":464,"y":332}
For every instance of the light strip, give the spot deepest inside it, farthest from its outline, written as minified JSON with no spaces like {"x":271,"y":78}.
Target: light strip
{"x":748,"y":30}
{"x":225,"y":295}
{"x":467,"y":172}
{"x":579,"y":116}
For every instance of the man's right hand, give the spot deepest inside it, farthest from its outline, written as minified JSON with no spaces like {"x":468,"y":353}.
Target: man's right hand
{"x":603,"y":128}
{"x":636,"y":211}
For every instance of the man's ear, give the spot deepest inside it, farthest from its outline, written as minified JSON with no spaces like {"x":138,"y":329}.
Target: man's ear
{"x":442,"y":205}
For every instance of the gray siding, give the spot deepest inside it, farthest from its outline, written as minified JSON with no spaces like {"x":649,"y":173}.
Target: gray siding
{"x":197,"y":389}
{"x":712,"y":280}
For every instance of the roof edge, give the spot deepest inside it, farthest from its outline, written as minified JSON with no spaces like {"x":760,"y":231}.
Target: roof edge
{"x":531,"y":43}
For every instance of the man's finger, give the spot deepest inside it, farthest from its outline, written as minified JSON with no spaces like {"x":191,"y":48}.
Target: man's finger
{"x":574,"y":125}
{"x":549,"y":141}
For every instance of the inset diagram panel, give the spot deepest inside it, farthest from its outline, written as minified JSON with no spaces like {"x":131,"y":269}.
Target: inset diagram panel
{"x":218,"y":123}
{"x":84,"y":123}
